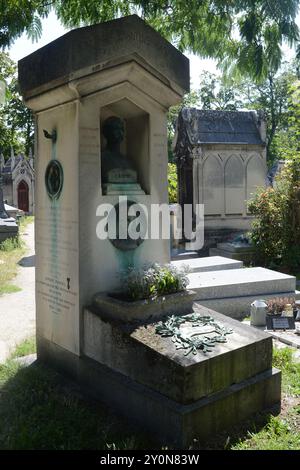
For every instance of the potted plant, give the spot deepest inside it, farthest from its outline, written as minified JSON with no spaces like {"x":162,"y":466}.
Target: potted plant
{"x":151,"y":292}
{"x":276,"y":306}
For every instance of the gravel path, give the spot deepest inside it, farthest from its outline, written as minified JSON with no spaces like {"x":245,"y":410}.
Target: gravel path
{"x":17,"y":310}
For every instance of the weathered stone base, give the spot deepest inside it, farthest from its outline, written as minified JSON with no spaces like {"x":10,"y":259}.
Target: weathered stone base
{"x":168,"y":420}
{"x":177,"y":397}
{"x":8,"y":229}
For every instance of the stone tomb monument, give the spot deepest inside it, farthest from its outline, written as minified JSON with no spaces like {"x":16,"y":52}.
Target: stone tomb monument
{"x":100,"y":95}
{"x":8,"y":226}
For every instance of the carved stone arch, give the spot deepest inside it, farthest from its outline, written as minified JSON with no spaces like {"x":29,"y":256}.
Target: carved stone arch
{"x":22,"y":199}
{"x":23,"y":196}
{"x":234,"y":177}
{"x":213,"y":186}
{"x":255,"y":174}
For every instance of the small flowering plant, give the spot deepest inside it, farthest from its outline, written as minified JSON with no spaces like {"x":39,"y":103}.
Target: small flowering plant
{"x":277,"y":305}
{"x":152,"y":281}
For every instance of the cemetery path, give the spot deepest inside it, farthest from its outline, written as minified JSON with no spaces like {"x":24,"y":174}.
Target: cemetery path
{"x":17,"y":310}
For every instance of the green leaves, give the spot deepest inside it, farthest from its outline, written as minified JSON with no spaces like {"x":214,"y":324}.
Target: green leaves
{"x":34,"y":31}
{"x":152,"y":281}
{"x":16,"y":121}
{"x":172,"y":183}
{"x":17,"y":16}
{"x":276,"y":230}
{"x":245,"y":32}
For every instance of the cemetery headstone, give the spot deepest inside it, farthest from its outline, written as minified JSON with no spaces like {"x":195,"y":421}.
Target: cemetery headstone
{"x":100,"y":96}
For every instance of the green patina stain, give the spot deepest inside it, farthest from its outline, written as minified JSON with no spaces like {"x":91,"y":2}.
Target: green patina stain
{"x":54,"y":223}
{"x":127,"y":259}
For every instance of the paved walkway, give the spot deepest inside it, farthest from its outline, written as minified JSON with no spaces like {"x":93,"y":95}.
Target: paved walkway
{"x":17,"y":310}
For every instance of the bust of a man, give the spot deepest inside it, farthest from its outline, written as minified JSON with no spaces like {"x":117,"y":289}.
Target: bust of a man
{"x":116,"y":167}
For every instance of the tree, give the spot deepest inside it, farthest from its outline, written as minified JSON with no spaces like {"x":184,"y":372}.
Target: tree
{"x":276,"y":229}
{"x":16,"y":121}
{"x":215,"y":94}
{"x":272,"y":95}
{"x":17,"y":16}
{"x":243,"y":35}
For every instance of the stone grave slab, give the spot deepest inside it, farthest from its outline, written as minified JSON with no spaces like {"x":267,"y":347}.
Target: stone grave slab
{"x":209,"y":263}
{"x":232,"y":292}
{"x":235,"y":379}
{"x":8,"y":228}
{"x":240,"y":282}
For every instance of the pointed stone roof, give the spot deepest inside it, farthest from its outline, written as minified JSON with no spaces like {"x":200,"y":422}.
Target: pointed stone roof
{"x":212,"y":127}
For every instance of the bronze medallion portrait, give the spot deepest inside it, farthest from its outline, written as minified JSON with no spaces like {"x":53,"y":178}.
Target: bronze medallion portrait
{"x":54,"y":179}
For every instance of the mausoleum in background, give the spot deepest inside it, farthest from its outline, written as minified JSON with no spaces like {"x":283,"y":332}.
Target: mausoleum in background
{"x":18,"y":182}
{"x":221,"y":160}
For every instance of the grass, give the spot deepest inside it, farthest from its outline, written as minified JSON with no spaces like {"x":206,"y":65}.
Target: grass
{"x":25,"y":220}
{"x":25,"y":348}
{"x":278,"y":434}
{"x":7,"y":288}
{"x":39,"y":409}
{"x":283,"y":360}
{"x":11,"y":251}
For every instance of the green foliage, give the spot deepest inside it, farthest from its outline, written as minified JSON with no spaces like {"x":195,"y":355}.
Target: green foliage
{"x":283,"y":360}
{"x":276,"y":230}
{"x":11,"y":244}
{"x":277,"y":435}
{"x":215,"y":93}
{"x":17,"y":16}
{"x":172,"y":183}
{"x":28,"y":346}
{"x":16,"y":120}
{"x":9,"y":289}
{"x":243,"y":35}
{"x":272,"y":96}
{"x":40,"y":410}
{"x":153,"y":281}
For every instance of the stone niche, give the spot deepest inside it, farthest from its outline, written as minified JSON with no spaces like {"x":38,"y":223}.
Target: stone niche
{"x":135,"y":144}
{"x":104,"y":91}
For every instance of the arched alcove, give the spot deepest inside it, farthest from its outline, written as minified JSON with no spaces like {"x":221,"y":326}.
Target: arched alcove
{"x":234,"y":186}
{"x":213,"y":186}
{"x":23,"y":196}
{"x":255,"y":175}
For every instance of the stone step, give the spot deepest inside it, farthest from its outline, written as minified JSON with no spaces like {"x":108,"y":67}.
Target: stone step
{"x":209,"y":263}
{"x":240,"y":282}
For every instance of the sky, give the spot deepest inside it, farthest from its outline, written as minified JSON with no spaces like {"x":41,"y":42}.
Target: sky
{"x":52,"y":29}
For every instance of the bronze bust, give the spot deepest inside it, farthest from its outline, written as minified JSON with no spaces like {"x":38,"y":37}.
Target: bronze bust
{"x":115,"y":166}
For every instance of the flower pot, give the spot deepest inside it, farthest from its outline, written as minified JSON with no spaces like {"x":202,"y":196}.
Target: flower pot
{"x":112,"y":307}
